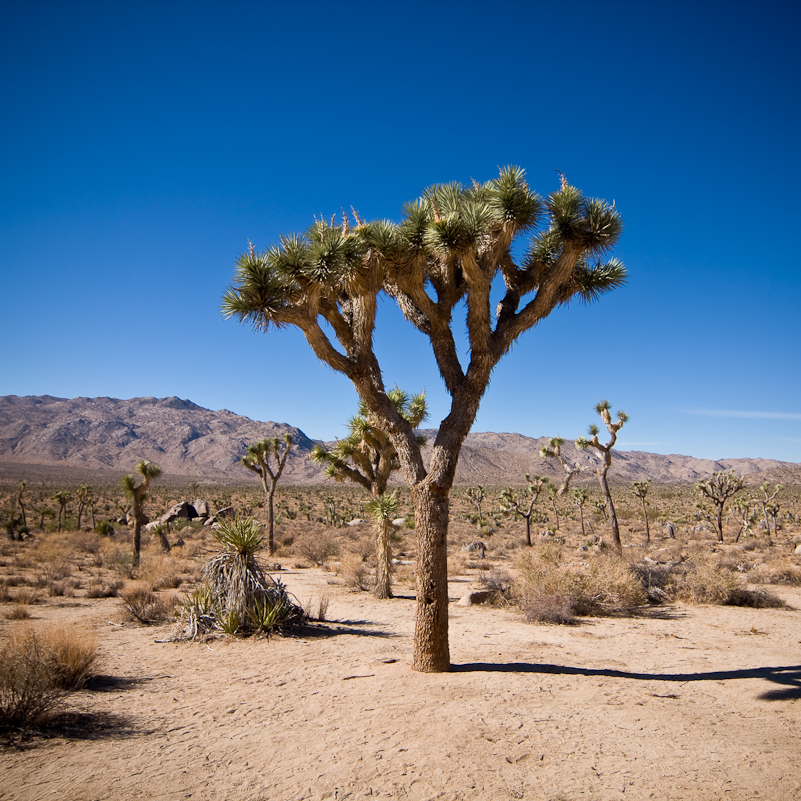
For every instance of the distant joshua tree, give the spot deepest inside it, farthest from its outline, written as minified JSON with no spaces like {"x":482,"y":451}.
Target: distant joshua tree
{"x":718,"y":489}
{"x":267,"y":460}
{"x":138,"y":494}
{"x":367,"y":457}
{"x":640,"y":490}
{"x":22,"y":485}
{"x":62,"y":498}
{"x":554,"y":449}
{"x":767,"y":507}
{"x":523,"y":504}
{"x":85,"y":496}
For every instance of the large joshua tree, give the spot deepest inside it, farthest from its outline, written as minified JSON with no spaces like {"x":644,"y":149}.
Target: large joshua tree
{"x":453,"y":246}
{"x":368,"y":457}
{"x":138,"y":494}
{"x":267,"y":460}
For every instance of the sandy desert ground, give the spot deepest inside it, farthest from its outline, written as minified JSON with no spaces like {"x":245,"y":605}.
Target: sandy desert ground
{"x":695,"y":703}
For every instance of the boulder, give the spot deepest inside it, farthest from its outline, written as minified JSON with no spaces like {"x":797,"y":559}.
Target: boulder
{"x":399,"y":522}
{"x":475,"y":597}
{"x":357,"y":522}
{"x":797,"y":550}
{"x":477,"y":548}
{"x":181,"y":511}
{"x":201,"y":508}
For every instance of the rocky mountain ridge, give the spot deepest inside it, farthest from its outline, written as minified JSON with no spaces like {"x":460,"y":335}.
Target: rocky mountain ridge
{"x":54,"y":437}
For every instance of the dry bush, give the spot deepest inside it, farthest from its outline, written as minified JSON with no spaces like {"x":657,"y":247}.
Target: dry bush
{"x":98,"y":588}
{"x":27,"y":596}
{"x":37,"y":667}
{"x":18,"y":613}
{"x":5,"y":595}
{"x":75,"y":652}
{"x":161,"y":572}
{"x":355,"y":573}
{"x":500,"y":583}
{"x":29,"y":690}
{"x":553,"y":592}
{"x":317,"y":547}
{"x":782,"y":570}
{"x":146,"y":606}
{"x":406,"y":575}
{"x":701,"y":581}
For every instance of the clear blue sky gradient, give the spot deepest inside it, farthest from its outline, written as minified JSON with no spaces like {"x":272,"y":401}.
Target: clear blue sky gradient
{"x":144,"y":143}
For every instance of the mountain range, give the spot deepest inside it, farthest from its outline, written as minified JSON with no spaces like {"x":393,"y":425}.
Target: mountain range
{"x":99,"y":439}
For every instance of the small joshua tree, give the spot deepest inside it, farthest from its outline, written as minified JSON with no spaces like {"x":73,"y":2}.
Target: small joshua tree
{"x":640,"y":490}
{"x":476,"y":496}
{"x":367,"y":457}
{"x":718,"y":489}
{"x":606,"y":460}
{"x":579,"y":498}
{"x":138,"y":494}
{"x":22,"y":485}
{"x":85,"y":497}
{"x":523,"y":504}
{"x":769,"y":508}
{"x":62,"y":498}
{"x":267,"y":460}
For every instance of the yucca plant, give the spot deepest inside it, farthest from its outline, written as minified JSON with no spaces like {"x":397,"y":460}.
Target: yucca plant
{"x":237,"y":597}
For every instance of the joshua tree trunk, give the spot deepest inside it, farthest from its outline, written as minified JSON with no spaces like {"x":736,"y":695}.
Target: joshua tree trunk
{"x":647,"y":526}
{"x":527,"y":518}
{"x":431,"y":651}
{"x":611,"y":510}
{"x":383,"y":559}
{"x":719,"y":523}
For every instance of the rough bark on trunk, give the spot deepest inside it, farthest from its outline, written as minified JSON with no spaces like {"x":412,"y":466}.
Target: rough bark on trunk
{"x":719,"y":521}
{"x":383,"y":560}
{"x":431,"y":650}
{"x":647,"y":527}
{"x":612,"y":514}
{"x":271,"y":521}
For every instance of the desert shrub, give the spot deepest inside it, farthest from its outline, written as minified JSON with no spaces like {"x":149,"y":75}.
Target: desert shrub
{"x":104,"y":528}
{"x":236,"y":596}
{"x":499,"y":582}
{"x":317,"y":547}
{"x":702,"y":580}
{"x":37,"y":668}
{"x":75,"y":653}
{"x":18,"y":613}
{"x":98,"y":588}
{"x":56,"y":589}
{"x":25,"y":595}
{"x":146,"y":606}
{"x":161,"y":573}
{"x":5,"y":595}
{"x":29,"y":690}
{"x":355,"y":573}
{"x":558,"y":593}
{"x":121,"y":561}
{"x":781,"y":571}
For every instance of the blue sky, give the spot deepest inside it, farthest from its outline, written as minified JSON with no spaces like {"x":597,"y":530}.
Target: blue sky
{"x":144,"y":143}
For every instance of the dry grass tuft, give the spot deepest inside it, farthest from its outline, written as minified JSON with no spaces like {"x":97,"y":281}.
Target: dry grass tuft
{"x":146,"y":606}
{"x":354,"y":572}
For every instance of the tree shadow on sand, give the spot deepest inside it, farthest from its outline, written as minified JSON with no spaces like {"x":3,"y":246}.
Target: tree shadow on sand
{"x":788,"y":676}
{"x":335,"y":628}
